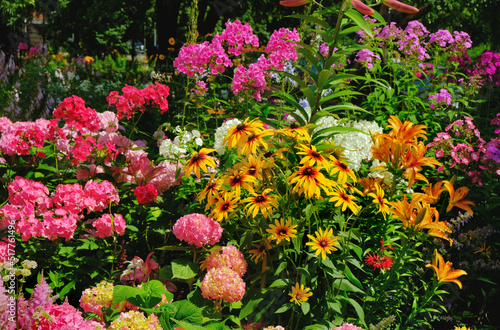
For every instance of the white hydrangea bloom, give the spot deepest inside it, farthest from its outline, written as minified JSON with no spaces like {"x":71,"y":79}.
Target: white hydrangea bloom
{"x":357,"y":145}
{"x":221,"y":133}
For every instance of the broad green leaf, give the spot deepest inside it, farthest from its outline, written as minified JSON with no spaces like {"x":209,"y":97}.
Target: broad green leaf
{"x":323,"y":77}
{"x":284,"y":308}
{"x":315,"y":327}
{"x":345,"y":285}
{"x":350,"y":276}
{"x":338,"y":94}
{"x":188,"y":326}
{"x":187,"y":312}
{"x":124,"y":292}
{"x":305,"y":307}
{"x":358,"y":18}
{"x":184,"y":269}
{"x":249,"y":308}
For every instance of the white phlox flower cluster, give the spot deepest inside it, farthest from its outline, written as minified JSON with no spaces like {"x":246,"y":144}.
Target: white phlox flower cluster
{"x":181,"y":143}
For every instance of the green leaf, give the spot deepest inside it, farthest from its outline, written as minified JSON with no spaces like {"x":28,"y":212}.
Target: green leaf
{"x":305,"y":307}
{"x":312,"y":19}
{"x":188,"y":326}
{"x":345,"y":285}
{"x":315,"y":327}
{"x":323,"y":77}
{"x":123,"y":292}
{"x":279,"y":283}
{"x":284,"y":308}
{"x":187,"y":312}
{"x":338,"y":94}
{"x":359,"y":311}
{"x":359,"y":20}
{"x":280,"y":268}
{"x":184,"y":269}
{"x":249,"y":308}
{"x":350,"y":276}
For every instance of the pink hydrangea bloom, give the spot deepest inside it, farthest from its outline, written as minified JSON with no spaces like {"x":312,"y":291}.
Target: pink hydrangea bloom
{"x":106,"y":225}
{"x":228,"y":256}
{"x":63,"y":317}
{"x":197,"y":229}
{"x":223,"y":283}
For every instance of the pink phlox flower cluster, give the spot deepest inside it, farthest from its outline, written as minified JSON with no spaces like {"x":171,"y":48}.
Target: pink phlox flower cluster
{"x":366,"y":57}
{"x":198,"y":58}
{"x":347,"y":326}
{"x":391,"y":32}
{"x":252,"y":80}
{"x":108,"y":121}
{"x":227,"y":256}
{"x":440,"y":98}
{"x":363,"y":36}
{"x":415,"y":27}
{"x":442,"y":37}
{"x":236,"y":36}
{"x":82,"y":149}
{"x":139,"y":270}
{"x":134,"y":99}
{"x":273,"y":327}
{"x":496,"y":121}
{"x":280,"y":49}
{"x":461,"y":42}
{"x":36,"y":214}
{"x":223,"y":283}
{"x":18,"y":138}
{"x":197,"y":229}
{"x":201,"y":88}
{"x":146,"y":194}
{"x":74,"y":112}
{"x":488,"y":68}
{"x":63,"y":317}
{"x":107,"y":225}
{"x":412,"y":46}
{"x":469,"y":153}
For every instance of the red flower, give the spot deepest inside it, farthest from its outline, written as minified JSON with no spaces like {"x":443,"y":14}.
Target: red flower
{"x":145,"y":194}
{"x":378,"y":262}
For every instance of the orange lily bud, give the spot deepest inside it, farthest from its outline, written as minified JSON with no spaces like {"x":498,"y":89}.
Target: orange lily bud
{"x":294,"y":3}
{"x":361,"y":7}
{"x":401,"y":7}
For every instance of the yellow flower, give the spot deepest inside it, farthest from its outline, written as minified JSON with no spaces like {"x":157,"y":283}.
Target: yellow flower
{"x":260,"y":250}
{"x":443,"y":270}
{"x":225,"y":205}
{"x":342,"y":169}
{"x":253,"y":140}
{"x":312,"y":155}
{"x":239,"y":132}
{"x":260,"y":202}
{"x":281,"y":231}
{"x":171,"y":41}
{"x":295,"y":132}
{"x":323,"y":242}
{"x":237,"y":180}
{"x":299,"y":294}
{"x":380,"y":200}
{"x":343,"y":199}
{"x":199,"y":160}
{"x":308,"y":180}
{"x":89,"y":59}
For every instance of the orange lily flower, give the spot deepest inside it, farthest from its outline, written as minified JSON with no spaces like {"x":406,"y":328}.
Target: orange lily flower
{"x":443,"y":270}
{"x":431,"y":194}
{"x":412,"y":160}
{"x":457,"y":198}
{"x":405,"y":132}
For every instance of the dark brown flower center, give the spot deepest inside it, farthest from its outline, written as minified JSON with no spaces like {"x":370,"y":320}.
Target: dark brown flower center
{"x":196,"y":157}
{"x":322,"y":243}
{"x":344,"y":196}
{"x":294,"y":126}
{"x":225,"y":207}
{"x":297,"y":296}
{"x":260,"y":199}
{"x":240,"y":127}
{"x":268,"y":154}
{"x":237,"y":178}
{"x":251,"y":137}
{"x":308,"y":171}
{"x":343,"y":165}
{"x":315,"y":154}
{"x":282,"y":232}
{"x":252,"y":170}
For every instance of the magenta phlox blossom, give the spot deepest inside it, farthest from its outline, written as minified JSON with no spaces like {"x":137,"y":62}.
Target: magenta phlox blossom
{"x":197,"y":229}
{"x":251,"y":81}
{"x":496,"y":121}
{"x":347,"y":326}
{"x":198,"y":58}
{"x":366,"y":57}
{"x":442,"y":37}
{"x":280,"y":49}
{"x":74,"y":112}
{"x":236,"y":37}
{"x":107,"y":226}
{"x":443,"y":97}
{"x":18,"y":138}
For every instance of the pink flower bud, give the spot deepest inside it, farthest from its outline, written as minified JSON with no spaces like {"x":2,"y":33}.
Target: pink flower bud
{"x":361,"y":7}
{"x":401,"y":7}
{"x":294,"y":3}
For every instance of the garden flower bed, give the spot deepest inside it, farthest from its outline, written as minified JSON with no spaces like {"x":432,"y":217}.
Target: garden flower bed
{"x":312,"y":181}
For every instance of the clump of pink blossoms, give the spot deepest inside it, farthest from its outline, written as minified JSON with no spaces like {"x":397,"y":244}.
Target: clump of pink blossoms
{"x":366,"y":57}
{"x":440,"y":99}
{"x":197,"y":229}
{"x":228,"y":256}
{"x":347,"y":326}
{"x":223,"y":283}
